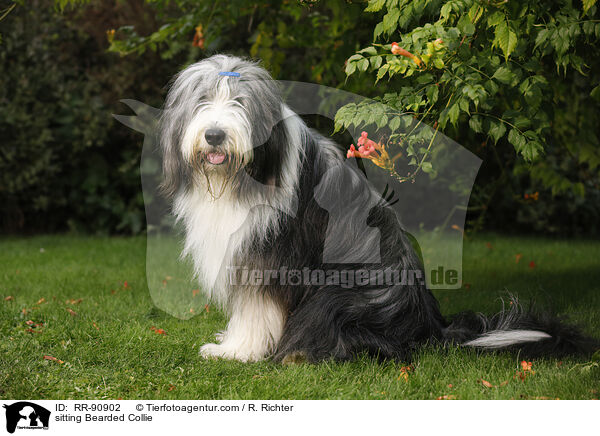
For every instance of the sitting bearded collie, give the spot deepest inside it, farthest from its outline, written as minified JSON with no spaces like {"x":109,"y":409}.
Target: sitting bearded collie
{"x":262,"y":198}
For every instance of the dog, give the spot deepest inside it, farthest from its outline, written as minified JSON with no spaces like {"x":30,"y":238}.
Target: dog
{"x":253,"y":187}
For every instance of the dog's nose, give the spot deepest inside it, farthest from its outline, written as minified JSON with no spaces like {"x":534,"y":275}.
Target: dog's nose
{"x":214,"y":136}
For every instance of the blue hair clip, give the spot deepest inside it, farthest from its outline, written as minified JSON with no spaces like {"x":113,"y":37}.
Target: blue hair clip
{"x":229,"y":73}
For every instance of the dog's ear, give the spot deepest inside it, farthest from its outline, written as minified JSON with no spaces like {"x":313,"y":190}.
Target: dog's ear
{"x":267,"y":161}
{"x":175,"y":170}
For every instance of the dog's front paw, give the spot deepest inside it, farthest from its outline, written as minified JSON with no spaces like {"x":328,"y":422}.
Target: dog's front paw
{"x":216,"y":351}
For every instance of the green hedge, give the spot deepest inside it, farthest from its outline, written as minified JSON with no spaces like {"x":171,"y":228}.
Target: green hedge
{"x":65,"y":164}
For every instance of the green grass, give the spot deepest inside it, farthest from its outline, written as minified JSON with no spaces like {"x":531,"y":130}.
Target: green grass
{"x":110,"y":351}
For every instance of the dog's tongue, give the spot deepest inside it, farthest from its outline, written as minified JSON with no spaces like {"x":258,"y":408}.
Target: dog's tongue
{"x":215,"y":158}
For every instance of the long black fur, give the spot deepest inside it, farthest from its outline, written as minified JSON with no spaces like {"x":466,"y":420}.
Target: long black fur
{"x":388,"y":322}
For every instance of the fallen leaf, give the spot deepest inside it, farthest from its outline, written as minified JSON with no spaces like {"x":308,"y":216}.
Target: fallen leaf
{"x":404,"y":372}
{"x":73,"y":301}
{"x":40,"y":301}
{"x":195,"y":292}
{"x":447,"y":397}
{"x":455,"y":227}
{"x":9,"y":298}
{"x":171,"y":388}
{"x":54,"y":359}
{"x":518,"y":257}
{"x":95,"y":326}
{"x":207,"y":308}
{"x":486,"y":383}
{"x":71,"y":311}
{"x":158,"y":331}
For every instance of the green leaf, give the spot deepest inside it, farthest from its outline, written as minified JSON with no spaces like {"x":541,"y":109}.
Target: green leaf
{"x":531,"y":150}
{"x":350,"y":68}
{"x":390,"y":20}
{"x":381,"y":121}
{"x":375,"y":5}
{"x":505,"y":38}
{"x":381,"y":72}
{"x":376,"y":61}
{"x":427,"y":167}
{"x":453,"y":113}
{"x":432,"y":93}
{"x":378,"y":30}
{"x":516,"y":139}
{"x":503,"y":75}
{"x":465,"y":25}
{"x":369,"y":50}
{"x":475,"y":124}
{"x":541,"y":37}
{"x":445,"y":11}
{"x":595,"y":94}
{"x":395,"y":123}
{"x":497,"y":130}
{"x":495,"y":19}
{"x":363,"y":64}
{"x":587,"y":4}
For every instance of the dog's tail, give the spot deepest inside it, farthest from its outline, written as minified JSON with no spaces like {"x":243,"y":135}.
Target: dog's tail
{"x":514,"y":328}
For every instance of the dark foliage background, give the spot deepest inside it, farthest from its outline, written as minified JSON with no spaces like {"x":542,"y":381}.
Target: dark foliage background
{"x":67,"y":165}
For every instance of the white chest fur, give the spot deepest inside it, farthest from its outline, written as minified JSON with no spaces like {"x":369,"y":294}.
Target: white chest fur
{"x":215,"y":230}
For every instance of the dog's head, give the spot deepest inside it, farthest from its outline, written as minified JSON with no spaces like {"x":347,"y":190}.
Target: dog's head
{"x":221,"y":117}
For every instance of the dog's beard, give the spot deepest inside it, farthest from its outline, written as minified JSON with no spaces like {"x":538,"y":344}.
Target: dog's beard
{"x":220,"y":169}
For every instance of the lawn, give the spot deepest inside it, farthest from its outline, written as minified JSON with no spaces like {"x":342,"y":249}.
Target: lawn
{"x":77,"y":321}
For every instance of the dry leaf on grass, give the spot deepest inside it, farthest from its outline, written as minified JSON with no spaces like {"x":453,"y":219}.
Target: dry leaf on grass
{"x":53,"y":359}
{"x":158,"y":331}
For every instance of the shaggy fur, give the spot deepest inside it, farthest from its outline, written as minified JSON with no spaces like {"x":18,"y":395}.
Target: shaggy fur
{"x":272,"y":201}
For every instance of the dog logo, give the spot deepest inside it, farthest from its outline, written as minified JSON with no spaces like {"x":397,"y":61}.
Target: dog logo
{"x":26,"y":415}
{"x":431,"y":208}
